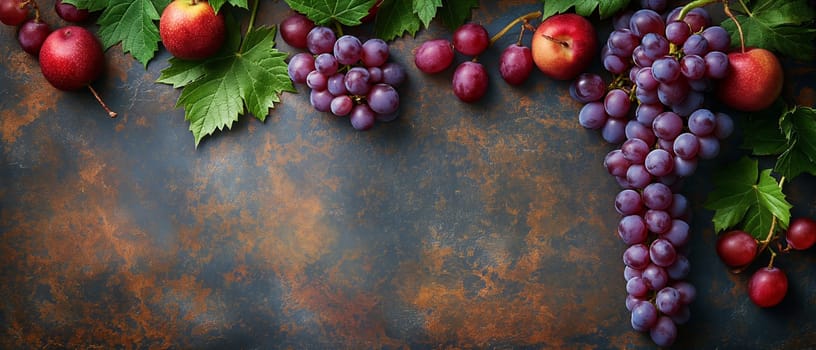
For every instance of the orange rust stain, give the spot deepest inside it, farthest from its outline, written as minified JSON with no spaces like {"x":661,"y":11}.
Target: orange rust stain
{"x":33,"y":102}
{"x":118,"y":64}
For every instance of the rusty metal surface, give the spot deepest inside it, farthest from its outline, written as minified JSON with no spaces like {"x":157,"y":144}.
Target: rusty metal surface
{"x":488,"y":225}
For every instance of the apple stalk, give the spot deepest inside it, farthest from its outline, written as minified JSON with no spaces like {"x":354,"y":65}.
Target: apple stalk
{"x":102,"y":103}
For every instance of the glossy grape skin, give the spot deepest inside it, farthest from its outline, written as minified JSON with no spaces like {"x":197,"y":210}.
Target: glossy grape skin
{"x":13,"y":12}
{"x":337,"y":84}
{"x":686,"y":146}
{"x":300,"y":65}
{"x":664,"y":332}
{"x":657,"y":196}
{"x":434,"y":56}
{"x":362,"y":117}
{"x":622,"y":42}
{"x":320,"y":40}
{"x":655,"y":45}
{"x":587,"y":87}
{"x":636,"y":257}
{"x":702,"y":122}
{"x":716,"y":64}
{"x":677,"y":32}
{"x":347,"y":49}
{"x":393,"y":74}
{"x":768,"y":286}
{"x":70,"y":12}
{"x":294,"y":30}
{"x":471,"y":39}
{"x":615,"y":163}
{"x":326,"y":64}
{"x":341,"y":105}
{"x":632,"y":229}
{"x":736,"y":248}
{"x":356,"y":81}
{"x":801,"y":233}
{"x":614,"y":130}
{"x":470,"y":81}
{"x":374,"y":52}
{"x":617,"y":103}
{"x":646,"y":21}
{"x":628,"y":202}
{"x":655,"y":276}
{"x":316,"y":81}
{"x":662,"y":253}
{"x":667,"y":301}
{"x":32,"y":34}
{"x":383,"y":99}
{"x":679,"y":269}
{"x":592,"y":115}
{"x":644,"y":316}
{"x":635,"y":150}
{"x":516,"y":64}
{"x":718,"y":38}
{"x":321,"y":100}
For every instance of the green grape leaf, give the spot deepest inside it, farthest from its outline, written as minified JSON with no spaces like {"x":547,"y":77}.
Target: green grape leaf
{"x":133,"y":23}
{"x":217,"y":4}
{"x":782,"y":26}
{"x":346,"y":12}
{"x":606,"y":8}
{"x":219,"y":90}
{"x":426,"y":10}
{"x":90,"y":5}
{"x":798,"y":126}
{"x":395,"y":18}
{"x":743,"y":194}
{"x":455,"y":12}
{"x":763,"y":135}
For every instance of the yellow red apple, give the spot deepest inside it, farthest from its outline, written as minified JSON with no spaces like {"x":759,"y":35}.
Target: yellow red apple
{"x":191,"y":30}
{"x":753,"y":82}
{"x":563,"y":45}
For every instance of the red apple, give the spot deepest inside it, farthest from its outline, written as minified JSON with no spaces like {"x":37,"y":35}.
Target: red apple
{"x":191,"y":30}
{"x":563,"y":45}
{"x":753,"y":82}
{"x":71,"y":58}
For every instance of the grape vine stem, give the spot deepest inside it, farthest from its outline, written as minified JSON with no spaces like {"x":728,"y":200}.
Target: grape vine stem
{"x":250,"y":24}
{"x":523,"y":18}
{"x":730,"y":15}
{"x":769,"y":237}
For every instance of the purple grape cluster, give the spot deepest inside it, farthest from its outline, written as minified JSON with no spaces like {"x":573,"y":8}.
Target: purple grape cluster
{"x":348,"y":77}
{"x":663,"y":66}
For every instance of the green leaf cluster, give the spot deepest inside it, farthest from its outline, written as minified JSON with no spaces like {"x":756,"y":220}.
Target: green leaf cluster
{"x":606,"y":8}
{"x":134,"y":23}
{"x":790,"y":137}
{"x":744,"y":195}
{"x":394,"y":18}
{"x":246,"y":76}
{"x":786,"y":27}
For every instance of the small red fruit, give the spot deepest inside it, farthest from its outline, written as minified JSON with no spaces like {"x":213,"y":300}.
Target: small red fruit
{"x":736,"y":248}
{"x":768,"y":286}
{"x":191,"y":30}
{"x":564,"y":45}
{"x":753,"y":82}
{"x":71,"y":58}
{"x":801,"y":233}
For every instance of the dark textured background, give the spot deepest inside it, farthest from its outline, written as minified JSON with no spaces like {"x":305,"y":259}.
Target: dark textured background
{"x":488,"y":225}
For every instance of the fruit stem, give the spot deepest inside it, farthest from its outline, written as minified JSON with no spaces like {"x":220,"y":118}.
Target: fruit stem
{"x":111,"y":113}
{"x":35,"y":7}
{"x":730,"y":15}
{"x":745,"y":8}
{"x":250,"y":25}
{"x":693,"y":5}
{"x":526,"y":17}
{"x":773,"y":255}
{"x":339,"y":29}
{"x":764,"y":243}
